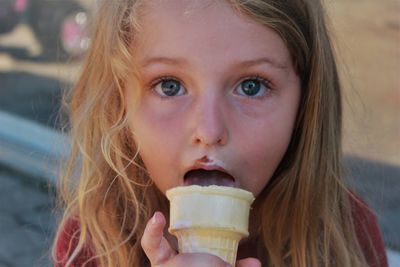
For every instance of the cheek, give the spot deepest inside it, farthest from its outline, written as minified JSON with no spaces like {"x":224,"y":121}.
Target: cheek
{"x":266,"y":136}
{"x":158,"y":137}
{"x":157,"y":154}
{"x":261,"y":149}
{"x":153,"y":123}
{"x":152,"y":134}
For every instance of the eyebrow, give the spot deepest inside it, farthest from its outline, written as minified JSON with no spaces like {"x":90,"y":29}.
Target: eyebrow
{"x":241,"y":64}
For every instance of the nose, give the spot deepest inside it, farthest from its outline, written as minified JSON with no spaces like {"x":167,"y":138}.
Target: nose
{"x":210,"y":126}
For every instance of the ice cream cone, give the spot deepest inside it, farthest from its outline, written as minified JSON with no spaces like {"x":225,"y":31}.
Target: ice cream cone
{"x":211,"y":219}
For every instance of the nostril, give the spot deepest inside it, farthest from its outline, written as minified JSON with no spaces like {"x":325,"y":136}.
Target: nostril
{"x":209,"y":142}
{"x":210,"y":133}
{"x":204,"y":159}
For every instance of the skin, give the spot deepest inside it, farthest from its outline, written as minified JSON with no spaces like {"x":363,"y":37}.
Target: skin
{"x":212,"y":118}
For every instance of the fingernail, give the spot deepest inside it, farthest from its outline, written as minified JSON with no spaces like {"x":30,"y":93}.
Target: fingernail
{"x":154,"y":219}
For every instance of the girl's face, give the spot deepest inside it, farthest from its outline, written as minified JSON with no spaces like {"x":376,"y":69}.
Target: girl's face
{"x":218,"y":95}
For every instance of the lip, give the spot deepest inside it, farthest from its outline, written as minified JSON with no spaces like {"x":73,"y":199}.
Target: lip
{"x":210,"y":167}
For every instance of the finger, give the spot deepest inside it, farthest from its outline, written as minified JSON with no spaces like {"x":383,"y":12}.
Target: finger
{"x":248,"y":262}
{"x":153,"y":241}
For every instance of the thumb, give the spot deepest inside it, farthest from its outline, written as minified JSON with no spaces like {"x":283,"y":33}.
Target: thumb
{"x":153,"y":242}
{"x":248,"y":262}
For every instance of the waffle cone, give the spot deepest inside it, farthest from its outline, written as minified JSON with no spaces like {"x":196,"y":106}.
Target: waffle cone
{"x":221,"y":243}
{"x":209,"y":219}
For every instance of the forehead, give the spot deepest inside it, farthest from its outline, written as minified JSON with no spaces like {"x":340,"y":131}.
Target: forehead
{"x":203,"y":28}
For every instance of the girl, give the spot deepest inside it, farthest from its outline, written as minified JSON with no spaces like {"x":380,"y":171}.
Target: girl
{"x":239,"y":93}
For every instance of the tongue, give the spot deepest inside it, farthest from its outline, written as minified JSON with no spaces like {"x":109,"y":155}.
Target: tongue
{"x":205,"y":178}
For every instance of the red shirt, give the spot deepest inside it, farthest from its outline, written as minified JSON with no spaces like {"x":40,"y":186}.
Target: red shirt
{"x":366,"y":226}
{"x":368,"y":234}
{"x":69,"y":237}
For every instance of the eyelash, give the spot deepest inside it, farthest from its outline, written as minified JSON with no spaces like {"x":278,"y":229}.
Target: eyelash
{"x":161,"y":79}
{"x":266,"y":82}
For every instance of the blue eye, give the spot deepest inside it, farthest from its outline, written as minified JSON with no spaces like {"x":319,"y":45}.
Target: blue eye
{"x":168,"y":87}
{"x":254,"y":87}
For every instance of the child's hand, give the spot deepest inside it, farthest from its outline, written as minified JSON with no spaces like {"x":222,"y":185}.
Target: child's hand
{"x":160,"y":253}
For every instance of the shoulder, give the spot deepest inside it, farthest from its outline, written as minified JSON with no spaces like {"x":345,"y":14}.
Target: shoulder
{"x":368,"y":232}
{"x":66,"y":242}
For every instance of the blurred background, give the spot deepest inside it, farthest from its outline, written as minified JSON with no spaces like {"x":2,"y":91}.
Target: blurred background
{"x":42,"y":43}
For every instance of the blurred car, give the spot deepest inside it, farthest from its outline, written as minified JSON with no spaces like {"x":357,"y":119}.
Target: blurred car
{"x":10,"y":14}
{"x":60,"y":26}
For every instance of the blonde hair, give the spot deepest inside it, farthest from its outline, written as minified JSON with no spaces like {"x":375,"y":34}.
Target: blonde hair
{"x":305,"y":212}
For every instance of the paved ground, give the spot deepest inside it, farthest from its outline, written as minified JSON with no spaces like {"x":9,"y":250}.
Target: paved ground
{"x":379,"y":184}
{"x":26,"y":220}
{"x":367,"y":41}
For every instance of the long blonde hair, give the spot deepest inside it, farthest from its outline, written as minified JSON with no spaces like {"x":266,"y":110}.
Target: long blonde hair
{"x":305,"y":212}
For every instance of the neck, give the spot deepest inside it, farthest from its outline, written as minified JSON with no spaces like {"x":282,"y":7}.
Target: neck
{"x":248,"y":246}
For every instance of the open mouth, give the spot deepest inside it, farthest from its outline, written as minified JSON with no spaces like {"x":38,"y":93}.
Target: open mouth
{"x":208,"y":177}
